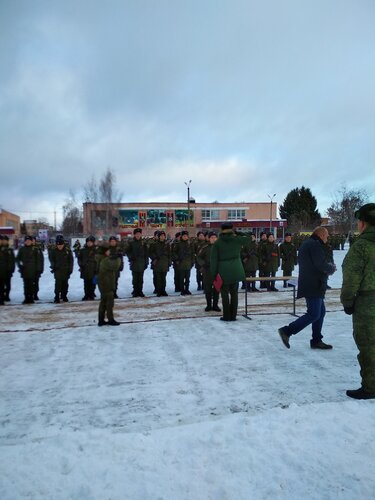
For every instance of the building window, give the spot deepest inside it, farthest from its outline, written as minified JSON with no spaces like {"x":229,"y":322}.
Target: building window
{"x":236,"y":214}
{"x":210,"y":215}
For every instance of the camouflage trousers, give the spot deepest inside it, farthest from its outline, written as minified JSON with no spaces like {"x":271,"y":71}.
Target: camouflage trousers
{"x":364,"y":336}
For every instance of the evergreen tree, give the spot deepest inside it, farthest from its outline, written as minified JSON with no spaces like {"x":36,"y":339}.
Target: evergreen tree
{"x":300,"y":209}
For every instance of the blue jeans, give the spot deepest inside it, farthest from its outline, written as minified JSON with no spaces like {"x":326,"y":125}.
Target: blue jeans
{"x":314,"y":316}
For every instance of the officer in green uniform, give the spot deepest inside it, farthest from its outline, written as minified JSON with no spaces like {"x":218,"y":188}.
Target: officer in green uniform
{"x":86,"y":257}
{"x":262,"y":241}
{"x":250,"y":262}
{"x":358,"y":298}
{"x":288,"y":255}
{"x":203,"y":260}
{"x":61,"y":260}
{"x":226,"y":261}
{"x":160,"y":255}
{"x":109,"y":266}
{"x":28,"y":262}
{"x":137,"y":253}
{"x":198,"y":243}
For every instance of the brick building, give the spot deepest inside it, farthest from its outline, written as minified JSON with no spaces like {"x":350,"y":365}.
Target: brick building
{"x":10,"y":224}
{"x":103,"y":219}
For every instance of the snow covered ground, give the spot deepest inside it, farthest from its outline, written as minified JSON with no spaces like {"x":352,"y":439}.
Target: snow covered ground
{"x":175,"y":404}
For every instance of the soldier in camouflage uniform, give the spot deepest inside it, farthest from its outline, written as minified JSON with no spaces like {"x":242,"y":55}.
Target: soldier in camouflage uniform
{"x":199,"y":242}
{"x":28,"y":266}
{"x":7,"y":266}
{"x":203,"y":261}
{"x":61,"y":260}
{"x":39,"y":250}
{"x":77,"y":248}
{"x":116,"y":252}
{"x":358,"y":298}
{"x":160,"y":255}
{"x":108,"y":266}
{"x":138,"y":259}
{"x":250,"y":262}
{"x":88,"y":267}
{"x":288,"y":255}
{"x":183,"y":257}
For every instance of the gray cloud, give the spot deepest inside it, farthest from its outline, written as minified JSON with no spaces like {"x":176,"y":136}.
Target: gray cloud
{"x":242,"y":97}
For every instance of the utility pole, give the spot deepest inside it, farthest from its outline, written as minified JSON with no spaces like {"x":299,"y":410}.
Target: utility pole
{"x":188,"y":203}
{"x":271,"y":200}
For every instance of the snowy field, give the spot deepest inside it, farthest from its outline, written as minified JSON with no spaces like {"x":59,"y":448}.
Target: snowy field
{"x":175,"y":404}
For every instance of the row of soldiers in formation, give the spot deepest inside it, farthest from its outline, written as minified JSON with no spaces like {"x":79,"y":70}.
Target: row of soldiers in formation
{"x":182,"y":253}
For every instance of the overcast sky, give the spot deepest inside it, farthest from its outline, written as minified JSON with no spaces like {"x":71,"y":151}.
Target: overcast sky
{"x":246,"y":98}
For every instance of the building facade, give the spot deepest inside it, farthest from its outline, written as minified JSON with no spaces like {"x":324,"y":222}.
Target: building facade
{"x":103,"y":219}
{"x":10,"y":224}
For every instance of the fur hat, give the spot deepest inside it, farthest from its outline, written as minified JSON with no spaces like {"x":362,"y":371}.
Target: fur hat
{"x":366,"y":213}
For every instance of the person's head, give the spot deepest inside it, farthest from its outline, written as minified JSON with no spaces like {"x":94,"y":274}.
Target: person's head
{"x":28,"y":241}
{"x":184,"y":235}
{"x":59,"y":241}
{"x":137,"y":233}
{"x":322,"y":233}
{"x":253,"y":237}
{"x":200,"y":235}
{"x":270,"y":237}
{"x":365,"y":216}
{"x":113,"y":241}
{"x":263,"y":236}
{"x":212,"y":237}
{"x":90,"y":240}
{"x":288,"y":237}
{"x":162,"y":235}
{"x":156,"y":235}
{"x":226,"y":228}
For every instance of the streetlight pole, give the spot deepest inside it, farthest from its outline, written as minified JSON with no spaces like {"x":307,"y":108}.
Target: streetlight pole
{"x":271,"y":200}
{"x":188,"y":203}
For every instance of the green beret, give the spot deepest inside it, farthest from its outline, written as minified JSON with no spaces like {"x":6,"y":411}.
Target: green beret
{"x":366,"y":213}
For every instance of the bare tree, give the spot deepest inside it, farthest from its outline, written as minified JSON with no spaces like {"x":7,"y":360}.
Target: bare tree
{"x":346,"y":202}
{"x":72,"y":224}
{"x":90,"y":191}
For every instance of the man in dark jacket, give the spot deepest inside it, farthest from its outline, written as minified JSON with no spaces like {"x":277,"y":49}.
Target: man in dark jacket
{"x":314,"y":269}
{"x":7,"y":266}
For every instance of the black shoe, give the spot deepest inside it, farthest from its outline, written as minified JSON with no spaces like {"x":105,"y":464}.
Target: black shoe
{"x":113,"y":323}
{"x":36,"y":297}
{"x":102,"y":323}
{"x":183,"y":293}
{"x":328,"y":287}
{"x":208,"y":308}
{"x":141,"y":294}
{"x":224,"y":319}
{"x":115,"y":296}
{"x":319,"y":345}
{"x":65,"y":299}
{"x":273,"y":289}
{"x":199,"y":288}
{"x":360,"y":394}
{"x":284,"y":337}
{"x":216,"y":308}
{"x":56,"y":301}
{"x":187,"y":292}
{"x":164,"y":294}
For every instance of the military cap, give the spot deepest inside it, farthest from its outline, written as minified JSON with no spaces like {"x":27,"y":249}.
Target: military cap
{"x":90,"y":238}
{"x":156,"y":233}
{"x":200,"y":232}
{"x":112,"y":238}
{"x":28,"y":238}
{"x":269,"y":234}
{"x":177,"y":235}
{"x":211,"y":233}
{"x":366,"y":213}
{"x":226,"y":225}
{"x":137,"y":230}
{"x":184,"y":233}
{"x":161,"y":232}
{"x":288,"y":234}
{"x":60,"y":239}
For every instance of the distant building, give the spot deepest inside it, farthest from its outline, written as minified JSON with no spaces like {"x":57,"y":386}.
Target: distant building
{"x":10,"y":224}
{"x":37,"y":228}
{"x":102,"y":219}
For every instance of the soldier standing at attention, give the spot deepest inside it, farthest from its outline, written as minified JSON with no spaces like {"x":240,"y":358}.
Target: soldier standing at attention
{"x":270,"y":257}
{"x":175,"y":242}
{"x":358,"y":298}
{"x":199,"y":242}
{"x":8,"y":270}
{"x":61,"y":260}
{"x":138,"y":259}
{"x":87,"y":266}
{"x":204,"y":260}
{"x":183,"y":257}
{"x":27,"y":262}
{"x":262,"y":241}
{"x":109,"y":266}
{"x":40,"y":267}
{"x":160,"y":255}
{"x":250,"y":262}
{"x":288,"y":255}
{"x":116,"y":252}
